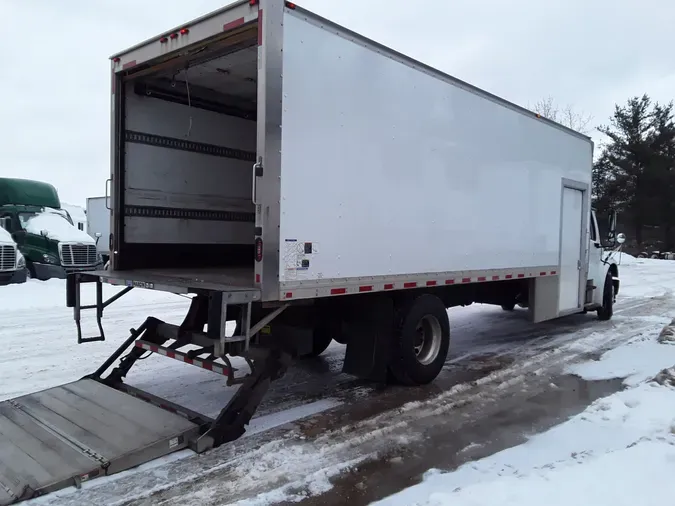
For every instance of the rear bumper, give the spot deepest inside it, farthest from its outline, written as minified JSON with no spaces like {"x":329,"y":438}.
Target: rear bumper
{"x":49,"y":271}
{"x":14,"y":277}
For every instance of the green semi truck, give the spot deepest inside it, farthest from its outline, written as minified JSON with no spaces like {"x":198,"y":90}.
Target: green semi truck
{"x":44,"y":232}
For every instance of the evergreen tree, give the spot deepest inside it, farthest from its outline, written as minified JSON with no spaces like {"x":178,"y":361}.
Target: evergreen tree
{"x":635,"y":173}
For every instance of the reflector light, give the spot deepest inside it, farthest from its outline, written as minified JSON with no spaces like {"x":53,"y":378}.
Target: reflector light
{"x":163,"y":40}
{"x":174,"y":35}
{"x":253,"y":2}
{"x":291,"y":5}
{"x":184,"y":31}
{"x":116,"y":59}
{"x":258,"y":249}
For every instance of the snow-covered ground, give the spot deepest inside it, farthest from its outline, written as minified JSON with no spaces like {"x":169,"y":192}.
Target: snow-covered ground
{"x":620,"y":450}
{"x":317,"y":425}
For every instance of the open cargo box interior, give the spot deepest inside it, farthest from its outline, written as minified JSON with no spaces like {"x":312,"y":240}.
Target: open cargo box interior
{"x":189,"y":136}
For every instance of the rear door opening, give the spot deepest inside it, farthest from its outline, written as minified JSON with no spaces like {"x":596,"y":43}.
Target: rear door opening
{"x":186,"y":134}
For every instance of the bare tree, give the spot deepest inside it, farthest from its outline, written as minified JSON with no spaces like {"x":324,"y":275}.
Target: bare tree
{"x":566,"y":116}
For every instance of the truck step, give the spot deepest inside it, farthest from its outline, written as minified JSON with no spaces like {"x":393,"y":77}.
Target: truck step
{"x":65,"y":435}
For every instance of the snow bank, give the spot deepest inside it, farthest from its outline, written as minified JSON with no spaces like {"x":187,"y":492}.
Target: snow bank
{"x":619,"y":451}
{"x":44,"y":297}
{"x":637,"y":361}
{"x":667,"y":335}
{"x":627,"y":259}
{"x":57,"y":228}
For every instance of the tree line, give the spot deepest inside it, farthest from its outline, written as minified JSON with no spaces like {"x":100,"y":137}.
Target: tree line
{"x":634,"y":170}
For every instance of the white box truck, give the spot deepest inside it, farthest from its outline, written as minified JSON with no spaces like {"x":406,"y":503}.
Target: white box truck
{"x":98,"y":224}
{"x":312,"y":185}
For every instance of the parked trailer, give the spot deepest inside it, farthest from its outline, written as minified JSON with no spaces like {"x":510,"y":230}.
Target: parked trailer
{"x":311,"y":185}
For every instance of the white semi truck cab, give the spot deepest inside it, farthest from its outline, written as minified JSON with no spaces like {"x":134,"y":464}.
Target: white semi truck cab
{"x":12,"y":262}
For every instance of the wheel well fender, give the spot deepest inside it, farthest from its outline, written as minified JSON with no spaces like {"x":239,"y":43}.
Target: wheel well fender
{"x":613,"y":270}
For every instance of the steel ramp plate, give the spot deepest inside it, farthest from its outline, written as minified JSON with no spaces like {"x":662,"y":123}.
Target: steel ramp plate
{"x":60,"y":436}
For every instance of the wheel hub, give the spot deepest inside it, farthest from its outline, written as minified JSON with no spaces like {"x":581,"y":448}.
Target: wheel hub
{"x":428,"y":340}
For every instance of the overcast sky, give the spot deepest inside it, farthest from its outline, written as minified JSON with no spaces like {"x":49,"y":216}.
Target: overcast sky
{"x":54,"y":68}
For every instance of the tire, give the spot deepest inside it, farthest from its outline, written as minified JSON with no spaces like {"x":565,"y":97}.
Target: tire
{"x":30,"y":270}
{"x":421,"y":341}
{"x":509,"y":307}
{"x":607,"y":310}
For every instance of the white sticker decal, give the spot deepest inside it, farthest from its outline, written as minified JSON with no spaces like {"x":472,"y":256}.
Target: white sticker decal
{"x":298,"y":259}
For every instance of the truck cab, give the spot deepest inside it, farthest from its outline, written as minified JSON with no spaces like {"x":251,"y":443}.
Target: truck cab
{"x":12,"y":262}
{"x":602,"y":276}
{"x":44,"y":232}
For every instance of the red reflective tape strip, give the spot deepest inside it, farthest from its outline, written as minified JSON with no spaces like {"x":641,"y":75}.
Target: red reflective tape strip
{"x":338,"y":291}
{"x":129,"y":64}
{"x":482,"y":278}
{"x":431,"y":283}
{"x":521,"y":275}
{"x":153,"y":349}
{"x":365,"y":288}
{"x":389,"y":286}
{"x":466,"y":280}
{"x":257,"y":278}
{"x":495,"y":278}
{"x":542,"y":274}
{"x":553,"y":273}
{"x":188,"y":360}
{"x":509,"y":276}
{"x":207,"y":365}
{"x":449,"y":281}
{"x":289,"y":295}
{"x":171,"y":354}
{"x":233,"y":24}
{"x":412,"y":284}
{"x":260,"y":27}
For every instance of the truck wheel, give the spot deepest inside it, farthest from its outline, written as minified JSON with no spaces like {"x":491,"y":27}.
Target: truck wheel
{"x":607,"y":310}
{"x":509,"y":307}
{"x":30,"y":270}
{"x":420,"y":342}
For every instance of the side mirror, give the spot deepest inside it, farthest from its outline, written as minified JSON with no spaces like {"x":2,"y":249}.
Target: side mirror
{"x":44,"y":233}
{"x":98,"y":234}
{"x":621,"y":238}
{"x":611,"y":226}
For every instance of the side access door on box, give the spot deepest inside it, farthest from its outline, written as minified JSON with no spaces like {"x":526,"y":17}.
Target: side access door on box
{"x":573,"y":246}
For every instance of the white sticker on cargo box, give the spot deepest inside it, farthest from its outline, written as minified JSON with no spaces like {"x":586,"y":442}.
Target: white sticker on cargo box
{"x":298,"y":258}
{"x":173,"y":442}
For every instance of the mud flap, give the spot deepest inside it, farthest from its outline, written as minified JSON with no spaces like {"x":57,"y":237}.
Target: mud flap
{"x":368,"y":326}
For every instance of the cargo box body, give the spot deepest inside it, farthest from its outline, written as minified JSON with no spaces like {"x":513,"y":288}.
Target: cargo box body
{"x":266,"y":148}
